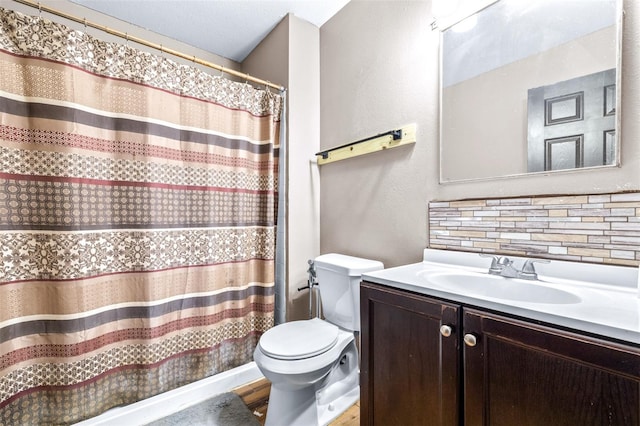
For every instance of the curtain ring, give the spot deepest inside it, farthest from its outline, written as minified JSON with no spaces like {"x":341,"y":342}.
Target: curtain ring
{"x":267,"y":87}
{"x":221,"y":71}
{"x":39,"y":10}
{"x":126,"y":39}
{"x":84,"y":21}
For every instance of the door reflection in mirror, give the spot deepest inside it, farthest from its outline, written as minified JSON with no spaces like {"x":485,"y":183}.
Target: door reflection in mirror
{"x":490,"y":71}
{"x":572,"y":123}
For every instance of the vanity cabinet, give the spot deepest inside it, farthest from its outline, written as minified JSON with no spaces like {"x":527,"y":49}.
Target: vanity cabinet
{"x":490,"y":369}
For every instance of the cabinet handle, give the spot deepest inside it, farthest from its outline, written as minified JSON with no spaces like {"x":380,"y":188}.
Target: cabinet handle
{"x":470,"y":340}
{"x":446,"y":330}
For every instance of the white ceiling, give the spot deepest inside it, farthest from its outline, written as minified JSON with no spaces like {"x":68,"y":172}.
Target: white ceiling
{"x":228,"y":28}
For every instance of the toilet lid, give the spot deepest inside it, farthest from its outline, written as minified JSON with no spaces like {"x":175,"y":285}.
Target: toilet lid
{"x":299,"y":339}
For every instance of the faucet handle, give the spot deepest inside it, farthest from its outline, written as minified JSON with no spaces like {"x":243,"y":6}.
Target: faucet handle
{"x":528,"y":269}
{"x":497,"y":262}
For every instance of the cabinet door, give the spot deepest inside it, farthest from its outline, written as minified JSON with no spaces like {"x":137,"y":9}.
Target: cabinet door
{"x":409,"y":371}
{"x":529,"y":375}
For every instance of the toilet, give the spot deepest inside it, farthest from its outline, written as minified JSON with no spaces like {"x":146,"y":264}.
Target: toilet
{"x":313,"y":364}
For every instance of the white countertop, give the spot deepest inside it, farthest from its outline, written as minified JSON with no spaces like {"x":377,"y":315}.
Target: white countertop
{"x":609,"y":304}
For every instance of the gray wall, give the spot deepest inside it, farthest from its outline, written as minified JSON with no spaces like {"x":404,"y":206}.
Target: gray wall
{"x":379,"y":70}
{"x":290,"y":56}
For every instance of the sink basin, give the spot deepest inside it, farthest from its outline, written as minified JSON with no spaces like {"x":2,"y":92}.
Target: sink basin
{"x":496,"y":287}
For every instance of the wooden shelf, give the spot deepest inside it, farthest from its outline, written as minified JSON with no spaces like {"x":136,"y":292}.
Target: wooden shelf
{"x":391,"y":139}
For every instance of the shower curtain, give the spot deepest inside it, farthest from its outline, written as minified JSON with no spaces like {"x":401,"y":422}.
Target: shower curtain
{"x":137,"y":222}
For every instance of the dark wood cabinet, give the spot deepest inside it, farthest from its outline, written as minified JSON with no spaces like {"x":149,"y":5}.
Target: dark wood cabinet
{"x":523,"y":374}
{"x":409,"y":371}
{"x":492,"y":370}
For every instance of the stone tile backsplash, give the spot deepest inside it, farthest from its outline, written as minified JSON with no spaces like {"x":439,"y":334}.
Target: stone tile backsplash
{"x":601,"y":228}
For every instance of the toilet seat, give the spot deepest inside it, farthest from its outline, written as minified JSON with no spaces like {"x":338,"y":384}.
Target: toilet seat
{"x":299,"y":339}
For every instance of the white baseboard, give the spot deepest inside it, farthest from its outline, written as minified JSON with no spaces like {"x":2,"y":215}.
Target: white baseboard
{"x":167,"y":403}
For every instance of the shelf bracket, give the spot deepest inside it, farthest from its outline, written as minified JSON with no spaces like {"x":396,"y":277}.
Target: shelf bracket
{"x":391,"y":139}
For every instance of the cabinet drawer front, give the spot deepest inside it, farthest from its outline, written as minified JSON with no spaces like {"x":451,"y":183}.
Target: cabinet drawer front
{"x":527,"y":374}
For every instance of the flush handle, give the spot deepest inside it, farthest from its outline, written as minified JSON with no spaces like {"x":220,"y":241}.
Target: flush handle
{"x":446,"y":330}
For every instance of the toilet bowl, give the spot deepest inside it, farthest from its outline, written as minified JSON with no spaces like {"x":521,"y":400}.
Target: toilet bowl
{"x":313,"y":364}
{"x":301,"y":392}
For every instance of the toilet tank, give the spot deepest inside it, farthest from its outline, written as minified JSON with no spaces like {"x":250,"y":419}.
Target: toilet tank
{"x":338,"y":278}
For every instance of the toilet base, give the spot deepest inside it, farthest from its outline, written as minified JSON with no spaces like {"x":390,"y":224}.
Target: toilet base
{"x":300,"y":408}
{"x":296,"y":408}
{"x":331,"y":410}
{"x":320,"y":402}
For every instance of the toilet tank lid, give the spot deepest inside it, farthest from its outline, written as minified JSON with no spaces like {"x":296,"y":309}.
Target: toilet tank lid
{"x":347,"y":265}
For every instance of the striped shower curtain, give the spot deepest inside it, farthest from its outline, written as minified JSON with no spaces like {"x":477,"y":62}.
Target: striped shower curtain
{"x":137,"y":222}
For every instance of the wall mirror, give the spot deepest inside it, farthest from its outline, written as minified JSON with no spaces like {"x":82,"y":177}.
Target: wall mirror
{"x":530,"y":87}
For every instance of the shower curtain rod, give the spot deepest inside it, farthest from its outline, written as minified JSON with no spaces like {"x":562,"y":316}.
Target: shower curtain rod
{"x":150,"y":44}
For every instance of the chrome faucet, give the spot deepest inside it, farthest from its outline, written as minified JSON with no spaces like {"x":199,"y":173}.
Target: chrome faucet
{"x":503,"y":266}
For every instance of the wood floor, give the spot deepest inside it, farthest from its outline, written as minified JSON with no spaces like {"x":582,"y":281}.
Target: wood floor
{"x":256,"y":396}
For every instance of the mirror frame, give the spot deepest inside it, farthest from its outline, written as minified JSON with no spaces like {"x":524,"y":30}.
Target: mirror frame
{"x":619,"y":22}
